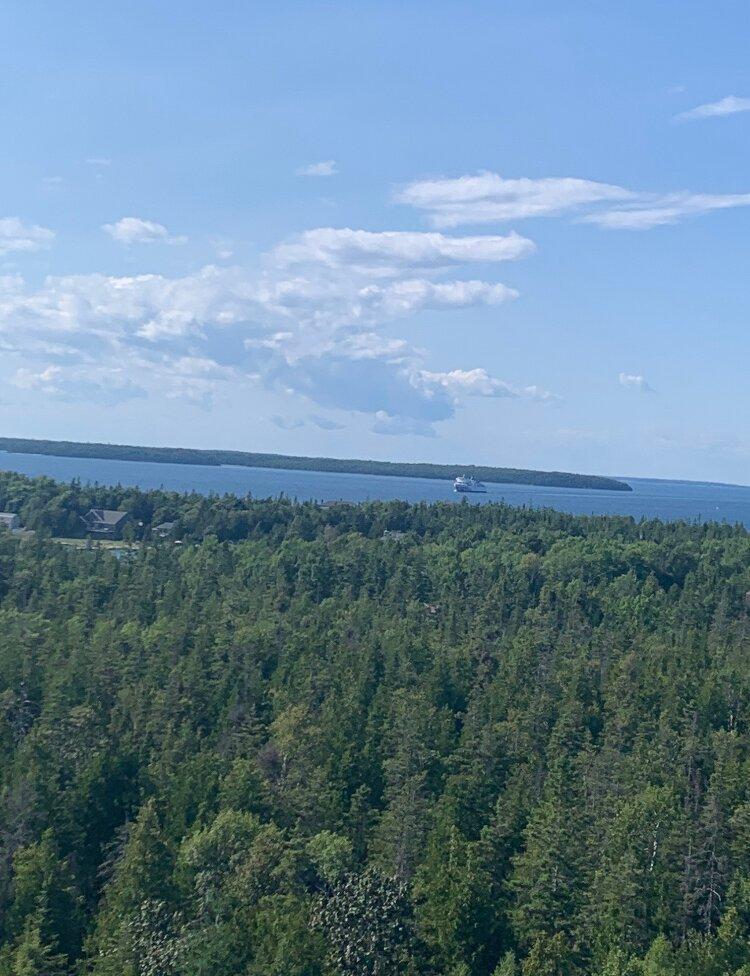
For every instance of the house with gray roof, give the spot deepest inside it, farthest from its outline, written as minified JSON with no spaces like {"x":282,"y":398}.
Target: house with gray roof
{"x":9,"y":520}
{"x":102,"y":523}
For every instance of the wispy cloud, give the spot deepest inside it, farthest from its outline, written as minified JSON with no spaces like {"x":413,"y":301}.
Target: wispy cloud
{"x":392,"y":251}
{"x":99,"y":161}
{"x":136,"y":230}
{"x":478,"y":382}
{"x":669,"y":209}
{"x":17,"y":236}
{"x":327,"y":167}
{"x":224,"y":248}
{"x":730,"y":105}
{"x":489,"y":198}
{"x":635,"y":381}
{"x":107,"y":387}
{"x":413,"y":294}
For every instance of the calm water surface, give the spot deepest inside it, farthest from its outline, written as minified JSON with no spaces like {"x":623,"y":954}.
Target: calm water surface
{"x":690,"y":500}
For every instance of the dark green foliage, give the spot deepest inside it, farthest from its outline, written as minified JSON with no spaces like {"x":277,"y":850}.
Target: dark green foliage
{"x":186,"y":455}
{"x":512,"y":743}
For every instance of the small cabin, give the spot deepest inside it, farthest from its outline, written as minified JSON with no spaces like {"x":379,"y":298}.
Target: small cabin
{"x":164,"y":530}
{"x":10,"y":521}
{"x":105,"y":524}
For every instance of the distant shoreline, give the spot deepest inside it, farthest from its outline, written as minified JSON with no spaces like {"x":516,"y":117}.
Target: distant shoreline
{"x":247,"y":459}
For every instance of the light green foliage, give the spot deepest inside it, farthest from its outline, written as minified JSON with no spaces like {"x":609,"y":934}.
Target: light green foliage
{"x":331,"y":854}
{"x":45,"y":910}
{"x":507,"y":966}
{"x":660,"y":959}
{"x":618,"y":963}
{"x":31,"y":955}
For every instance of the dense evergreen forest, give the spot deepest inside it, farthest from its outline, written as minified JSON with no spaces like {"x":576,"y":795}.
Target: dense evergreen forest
{"x":184,"y":455}
{"x":487,"y":742}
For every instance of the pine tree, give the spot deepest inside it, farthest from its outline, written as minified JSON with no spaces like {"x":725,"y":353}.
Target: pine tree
{"x":549,"y":955}
{"x":635,"y":889}
{"x":409,"y":771}
{"x":45,"y":897}
{"x":139,"y":895}
{"x":32,"y":956}
{"x":453,"y":895}
{"x":507,"y":966}
{"x":549,"y":874}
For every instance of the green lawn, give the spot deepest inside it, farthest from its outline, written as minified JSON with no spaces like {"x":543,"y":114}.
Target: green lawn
{"x":96,"y":543}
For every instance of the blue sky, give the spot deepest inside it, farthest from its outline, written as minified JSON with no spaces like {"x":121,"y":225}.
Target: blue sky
{"x":512,"y":233}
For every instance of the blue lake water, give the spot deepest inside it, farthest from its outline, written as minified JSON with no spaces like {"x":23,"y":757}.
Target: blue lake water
{"x":689,"y":500}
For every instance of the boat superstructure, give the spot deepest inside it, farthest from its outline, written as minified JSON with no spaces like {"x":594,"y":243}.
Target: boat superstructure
{"x":468,"y":485}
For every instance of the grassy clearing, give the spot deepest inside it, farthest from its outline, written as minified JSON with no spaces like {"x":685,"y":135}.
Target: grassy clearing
{"x":96,"y":543}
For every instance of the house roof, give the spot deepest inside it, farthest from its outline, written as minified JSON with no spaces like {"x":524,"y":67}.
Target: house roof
{"x":165,"y":526}
{"x":8,"y":515}
{"x":105,"y":516}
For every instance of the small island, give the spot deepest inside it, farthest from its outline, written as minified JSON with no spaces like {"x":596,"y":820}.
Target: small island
{"x":249,"y":459}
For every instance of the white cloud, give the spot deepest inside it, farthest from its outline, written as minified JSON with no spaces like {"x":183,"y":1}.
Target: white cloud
{"x":308,"y":324}
{"x":413,"y":294}
{"x":224,"y":249}
{"x":136,"y":230}
{"x":488,"y":197}
{"x":99,"y":161}
{"x":327,"y":167}
{"x":52,"y":182}
{"x":17,"y":236}
{"x":478,"y":382}
{"x":668,"y":209}
{"x":199,"y":367}
{"x":392,"y":251}
{"x":730,"y":105}
{"x":634,"y":381}
{"x":25,"y":379}
{"x":192,"y":378}
{"x":104,"y":386}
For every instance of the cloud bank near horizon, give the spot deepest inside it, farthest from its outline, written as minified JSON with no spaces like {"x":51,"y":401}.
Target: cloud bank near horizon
{"x":308,"y":323}
{"x":315,"y":319}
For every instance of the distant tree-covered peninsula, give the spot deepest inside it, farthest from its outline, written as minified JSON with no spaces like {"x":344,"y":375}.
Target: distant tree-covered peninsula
{"x":249,"y":459}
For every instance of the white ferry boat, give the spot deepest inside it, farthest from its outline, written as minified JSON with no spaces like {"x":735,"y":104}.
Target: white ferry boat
{"x":468,"y":485}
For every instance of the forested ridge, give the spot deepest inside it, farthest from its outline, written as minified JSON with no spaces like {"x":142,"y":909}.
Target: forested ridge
{"x":402,"y":469}
{"x":504,"y":743}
